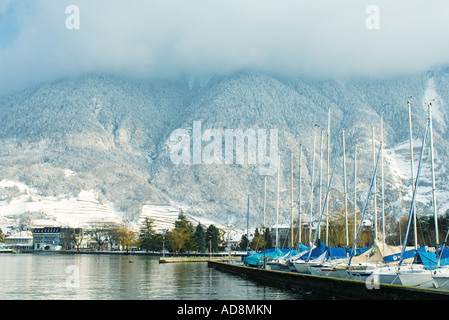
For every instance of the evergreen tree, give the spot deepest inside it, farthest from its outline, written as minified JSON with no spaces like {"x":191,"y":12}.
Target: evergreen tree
{"x":147,"y":235}
{"x":181,"y":238}
{"x":200,"y":237}
{"x":212,"y":237}
{"x":243,"y":243}
{"x":268,"y":239}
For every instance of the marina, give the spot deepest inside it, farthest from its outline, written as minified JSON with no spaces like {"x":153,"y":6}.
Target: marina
{"x":341,"y":288}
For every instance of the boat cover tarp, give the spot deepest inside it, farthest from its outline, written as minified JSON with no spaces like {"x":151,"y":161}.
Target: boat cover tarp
{"x":303,"y":248}
{"x":316,"y":252}
{"x":397,"y":256}
{"x":359,"y":251}
{"x":336,"y":253}
{"x":375,"y":254}
{"x":256,"y":259}
{"x":429,"y":259}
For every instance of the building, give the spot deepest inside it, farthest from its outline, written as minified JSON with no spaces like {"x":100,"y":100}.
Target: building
{"x":57,"y":238}
{"x":21,"y":240}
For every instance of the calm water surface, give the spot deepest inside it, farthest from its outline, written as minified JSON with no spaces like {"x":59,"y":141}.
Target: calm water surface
{"x":125,"y":277}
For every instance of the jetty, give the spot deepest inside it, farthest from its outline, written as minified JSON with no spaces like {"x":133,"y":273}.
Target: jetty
{"x":195,"y":259}
{"x":340,"y":288}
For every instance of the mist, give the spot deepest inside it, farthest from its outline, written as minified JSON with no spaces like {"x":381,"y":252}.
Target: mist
{"x":169,"y":39}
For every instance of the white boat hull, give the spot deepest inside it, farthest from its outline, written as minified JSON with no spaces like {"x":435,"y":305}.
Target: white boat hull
{"x":419,"y":277}
{"x":301,"y":267}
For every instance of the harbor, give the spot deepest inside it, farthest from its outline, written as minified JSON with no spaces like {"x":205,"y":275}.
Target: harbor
{"x":340,"y":288}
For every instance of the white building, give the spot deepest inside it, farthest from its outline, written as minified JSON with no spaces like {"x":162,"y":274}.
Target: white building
{"x":22,"y":240}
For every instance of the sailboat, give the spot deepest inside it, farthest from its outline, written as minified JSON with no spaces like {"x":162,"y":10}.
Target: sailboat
{"x":321,"y":253}
{"x":433,"y":275}
{"x":344,"y":270}
{"x":386,"y":270}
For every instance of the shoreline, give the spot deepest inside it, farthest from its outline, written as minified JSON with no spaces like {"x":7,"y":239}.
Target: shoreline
{"x":170,"y":255}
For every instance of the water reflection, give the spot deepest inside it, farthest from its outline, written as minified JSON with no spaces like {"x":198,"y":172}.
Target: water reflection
{"x":123,"y":277}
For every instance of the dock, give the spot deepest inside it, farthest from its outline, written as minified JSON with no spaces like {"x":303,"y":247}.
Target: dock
{"x":340,"y":288}
{"x":193,"y":259}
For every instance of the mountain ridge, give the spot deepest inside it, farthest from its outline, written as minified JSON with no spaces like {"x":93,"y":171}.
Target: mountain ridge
{"x":114,"y":132}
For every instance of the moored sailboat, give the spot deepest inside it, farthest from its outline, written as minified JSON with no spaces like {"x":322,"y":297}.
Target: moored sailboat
{"x":433,"y":275}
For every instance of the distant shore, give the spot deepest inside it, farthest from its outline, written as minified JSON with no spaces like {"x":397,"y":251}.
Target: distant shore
{"x":140,"y":252}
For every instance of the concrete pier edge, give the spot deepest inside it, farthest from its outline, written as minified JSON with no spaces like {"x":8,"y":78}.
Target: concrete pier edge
{"x":340,"y":288}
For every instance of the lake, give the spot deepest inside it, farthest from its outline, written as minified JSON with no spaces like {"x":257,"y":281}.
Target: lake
{"x":48,"y":276}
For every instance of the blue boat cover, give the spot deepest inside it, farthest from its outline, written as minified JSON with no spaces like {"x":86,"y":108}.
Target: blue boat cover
{"x":397,"y":256}
{"x":429,"y":259}
{"x":303,"y":248}
{"x":256,"y":259}
{"x":316,"y":252}
{"x":336,"y":253}
{"x":361,"y":250}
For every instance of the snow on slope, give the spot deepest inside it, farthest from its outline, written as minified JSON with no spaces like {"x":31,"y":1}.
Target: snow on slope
{"x":432,"y":96}
{"x":65,"y":211}
{"x":398,"y":160}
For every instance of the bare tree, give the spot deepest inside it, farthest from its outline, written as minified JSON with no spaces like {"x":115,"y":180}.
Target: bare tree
{"x":102,"y":232}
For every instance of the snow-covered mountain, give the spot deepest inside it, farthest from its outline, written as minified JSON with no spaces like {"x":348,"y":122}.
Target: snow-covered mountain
{"x":111,"y":136}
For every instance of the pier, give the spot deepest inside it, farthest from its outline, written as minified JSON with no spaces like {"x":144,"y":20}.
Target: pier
{"x":340,"y":288}
{"x":192,"y":259}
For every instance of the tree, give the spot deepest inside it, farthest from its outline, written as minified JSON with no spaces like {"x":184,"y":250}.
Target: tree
{"x":337,"y":231}
{"x":125,"y":237}
{"x":102,"y":232}
{"x":71,"y":237}
{"x":181,"y":238}
{"x":257,"y":243}
{"x":200,"y":237}
{"x":177,"y":240}
{"x":147,"y":235}
{"x":212,"y":237}
{"x":268,"y":239}
{"x":243,"y":243}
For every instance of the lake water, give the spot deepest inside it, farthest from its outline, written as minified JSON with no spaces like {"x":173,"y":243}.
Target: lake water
{"x":125,"y":277}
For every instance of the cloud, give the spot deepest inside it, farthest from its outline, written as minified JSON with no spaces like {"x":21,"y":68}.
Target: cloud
{"x":168,"y":38}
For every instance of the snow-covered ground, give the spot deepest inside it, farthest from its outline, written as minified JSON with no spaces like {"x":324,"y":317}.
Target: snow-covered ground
{"x":82,"y":210}
{"x":64,"y":210}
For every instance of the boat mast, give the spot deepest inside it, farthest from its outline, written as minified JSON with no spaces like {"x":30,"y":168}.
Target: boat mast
{"x":411,"y":212}
{"x":364,"y":210}
{"x":277,"y":202}
{"x":247,"y":226}
{"x":355,"y":191}
{"x":321,"y":175}
{"x":311,"y":187}
{"x":382,"y":178}
{"x":415,"y":228}
{"x":344,"y":188}
{"x":433,"y":185}
{"x":374,"y":189}
{"x":328,"y":172}
{"x":291,"y":196}
{"x":299,"y":197}
{"x":264,"y":203}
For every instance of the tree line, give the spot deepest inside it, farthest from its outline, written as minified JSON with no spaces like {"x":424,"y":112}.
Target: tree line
{"x":183,"y":238}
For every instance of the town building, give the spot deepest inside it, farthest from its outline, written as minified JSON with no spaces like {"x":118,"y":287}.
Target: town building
{"x":19,"y":241}
{"x":57,"y":238}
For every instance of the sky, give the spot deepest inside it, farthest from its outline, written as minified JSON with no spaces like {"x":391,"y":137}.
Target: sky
{"x":173,"y":38}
